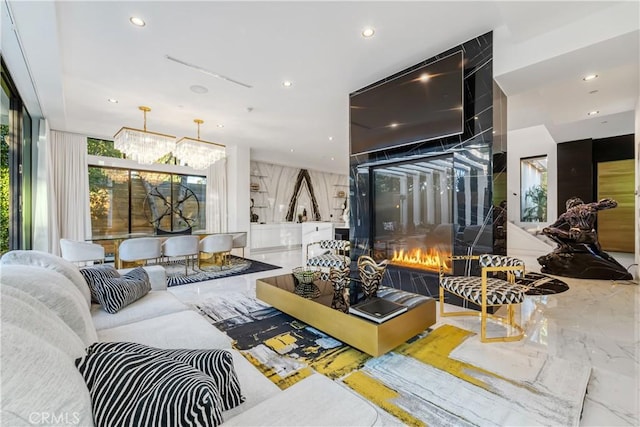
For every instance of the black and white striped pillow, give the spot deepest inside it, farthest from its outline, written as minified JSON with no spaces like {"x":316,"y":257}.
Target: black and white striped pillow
{"x":115,"y":293}
{"x":96,"y":274}
{"x":132,"y":389}
{"x":218,"y":364}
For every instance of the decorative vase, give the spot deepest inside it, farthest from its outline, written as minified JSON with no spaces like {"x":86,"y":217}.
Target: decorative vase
{"x":371,"y":275}
{"x":339,"y":278}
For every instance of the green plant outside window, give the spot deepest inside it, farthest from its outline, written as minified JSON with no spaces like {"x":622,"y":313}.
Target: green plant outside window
{"x":533,"y":189}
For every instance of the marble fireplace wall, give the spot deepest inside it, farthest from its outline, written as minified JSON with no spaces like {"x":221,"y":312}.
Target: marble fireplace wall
{"x":273,"y":186}
{"x":471,"y":150}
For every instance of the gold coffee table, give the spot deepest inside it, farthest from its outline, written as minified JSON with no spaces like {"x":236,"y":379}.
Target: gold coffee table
{"x":371,"y":337}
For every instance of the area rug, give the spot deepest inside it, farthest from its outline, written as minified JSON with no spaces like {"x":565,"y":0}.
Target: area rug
{"x":418,"y":383}
{"x":238,"y":266}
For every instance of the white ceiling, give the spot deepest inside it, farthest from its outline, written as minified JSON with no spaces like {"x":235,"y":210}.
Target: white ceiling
{"x":80,"y":53}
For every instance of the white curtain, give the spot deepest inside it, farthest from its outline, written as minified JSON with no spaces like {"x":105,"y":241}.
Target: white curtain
{"x":45,"y":221}
{"x":216,"y":206}
{"x":69,"y":177}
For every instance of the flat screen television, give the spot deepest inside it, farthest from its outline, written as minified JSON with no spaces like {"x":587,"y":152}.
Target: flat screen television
{"x":417,"y":105}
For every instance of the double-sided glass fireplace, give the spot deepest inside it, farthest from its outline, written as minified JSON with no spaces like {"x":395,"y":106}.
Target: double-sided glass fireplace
{"x":413,"y":214}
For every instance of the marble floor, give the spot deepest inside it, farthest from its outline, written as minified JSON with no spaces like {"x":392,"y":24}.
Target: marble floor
{"x":596,"y":323}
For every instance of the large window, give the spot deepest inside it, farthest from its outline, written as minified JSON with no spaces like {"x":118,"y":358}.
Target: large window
{"x":137,"y":201}
{"x":15,"y":168}
{"x":533,"y":189}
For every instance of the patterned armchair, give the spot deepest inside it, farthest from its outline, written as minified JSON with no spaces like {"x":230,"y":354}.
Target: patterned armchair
{"x":488,"y":291}
{"x":336,"y":255}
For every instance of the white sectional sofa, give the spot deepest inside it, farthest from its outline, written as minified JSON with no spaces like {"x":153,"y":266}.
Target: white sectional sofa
{"x":48,"y":321}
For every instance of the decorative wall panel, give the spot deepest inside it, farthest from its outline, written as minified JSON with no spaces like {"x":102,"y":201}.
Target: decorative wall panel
{"x":272,"y":189}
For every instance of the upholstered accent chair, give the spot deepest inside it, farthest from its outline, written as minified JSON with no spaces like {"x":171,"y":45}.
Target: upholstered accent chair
{"x":217,"y":244}
{"x":81,"y":252}
{"x":181,"y":246}
{"x":488,"y":291}
{"x":335,"y":255}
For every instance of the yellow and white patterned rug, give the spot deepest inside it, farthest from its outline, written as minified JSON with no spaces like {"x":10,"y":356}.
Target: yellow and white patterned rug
{"x":418,"y":383}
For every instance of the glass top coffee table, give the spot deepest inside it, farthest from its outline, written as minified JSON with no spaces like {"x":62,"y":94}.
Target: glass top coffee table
{"x":368,"y":336}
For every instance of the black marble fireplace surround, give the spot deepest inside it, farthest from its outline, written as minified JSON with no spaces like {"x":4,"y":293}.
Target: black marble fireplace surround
{"x":466,"y":186}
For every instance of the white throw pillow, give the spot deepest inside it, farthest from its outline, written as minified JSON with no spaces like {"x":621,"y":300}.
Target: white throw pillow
{"x":56,"y":292}
{"x":40,"y":383}
{"x":51,"y":262}
{"x":24,"y":311}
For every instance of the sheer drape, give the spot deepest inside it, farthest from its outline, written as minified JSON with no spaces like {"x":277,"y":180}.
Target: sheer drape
{"x":69,"y":178}
{"x":216,"y":211}
{"x":45,"y":219}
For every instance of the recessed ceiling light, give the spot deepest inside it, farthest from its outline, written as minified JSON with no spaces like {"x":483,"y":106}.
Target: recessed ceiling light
{"x":287,"y":83}
{"x":333,"y":158}
{"x":394,"y":125}
{"x":198,"y":89}
{"x":291,"y":150}
{"x":592,"y":113}
{"x":368,"y":32}
{"x":589,"y":77}
{"x":330,"y":138}
{"x":220,"y":125}
{"x":112,"y":100}
{"x":138,"y":22}
{"x":424,"y":77}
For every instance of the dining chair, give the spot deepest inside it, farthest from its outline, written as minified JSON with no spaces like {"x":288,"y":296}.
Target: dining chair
{"x":217,"y":244}
{"x":240,"y":241}
{"x":140,"y":249}
{"x":181,"y":246}
{"x":81,"y":252}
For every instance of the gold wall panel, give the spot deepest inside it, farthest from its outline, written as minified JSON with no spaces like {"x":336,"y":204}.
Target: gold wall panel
{"x":616,"y":226}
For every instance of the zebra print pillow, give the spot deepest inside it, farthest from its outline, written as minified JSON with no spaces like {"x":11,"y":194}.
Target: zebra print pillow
{"x":97,"y":273}
{"x":218,"y":364}
{"x":131,"y":389}
{"x":117,"y":292}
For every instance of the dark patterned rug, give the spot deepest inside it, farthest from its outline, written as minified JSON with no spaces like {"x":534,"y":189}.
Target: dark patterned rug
{"x":238,"y":266}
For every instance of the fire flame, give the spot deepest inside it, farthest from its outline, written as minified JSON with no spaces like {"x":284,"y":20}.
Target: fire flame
{"x":430,"y":260}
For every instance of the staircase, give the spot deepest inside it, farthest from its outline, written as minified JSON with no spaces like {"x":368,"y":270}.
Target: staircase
{"x":527,"y":246}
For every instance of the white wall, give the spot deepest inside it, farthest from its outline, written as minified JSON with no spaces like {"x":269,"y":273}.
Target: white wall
{"x":238,"y":191}
{"x":531,"y":142}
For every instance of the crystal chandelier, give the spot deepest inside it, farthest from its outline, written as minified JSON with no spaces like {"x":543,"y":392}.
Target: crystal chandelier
{"x":143,"y":146}
{"x":197,"y":153}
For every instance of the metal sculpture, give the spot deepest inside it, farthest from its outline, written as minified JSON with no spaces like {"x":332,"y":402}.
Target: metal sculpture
{"x":181,"y":211}
{"x":579,"y":253}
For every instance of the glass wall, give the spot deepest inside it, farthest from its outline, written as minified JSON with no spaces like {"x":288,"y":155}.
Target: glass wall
{"x":15,"y":167}
{"x":137,"y":201}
